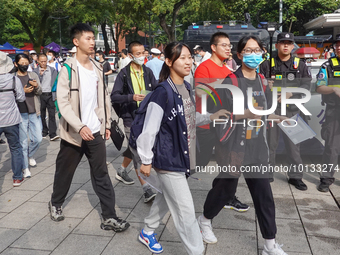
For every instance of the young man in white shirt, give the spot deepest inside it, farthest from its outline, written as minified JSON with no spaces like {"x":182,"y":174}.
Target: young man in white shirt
{"x":52,"y":62}
{"x":84,"y":104}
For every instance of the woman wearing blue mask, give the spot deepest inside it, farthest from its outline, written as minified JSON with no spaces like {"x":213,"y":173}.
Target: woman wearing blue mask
{"x":245,"y":150}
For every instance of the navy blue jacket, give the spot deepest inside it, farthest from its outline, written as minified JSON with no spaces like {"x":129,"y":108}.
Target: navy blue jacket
{"x":122,"y":93}
{"x":165,"y":144}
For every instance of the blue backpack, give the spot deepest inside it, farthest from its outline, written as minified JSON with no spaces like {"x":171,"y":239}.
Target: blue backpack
{"x":138,"y":122}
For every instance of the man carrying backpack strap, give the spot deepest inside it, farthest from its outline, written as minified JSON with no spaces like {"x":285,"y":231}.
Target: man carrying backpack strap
{"x":130,"y":88}
{"x":84,"y":105}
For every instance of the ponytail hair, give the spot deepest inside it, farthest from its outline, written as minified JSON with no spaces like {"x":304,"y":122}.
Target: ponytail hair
{"x":172,"y":52}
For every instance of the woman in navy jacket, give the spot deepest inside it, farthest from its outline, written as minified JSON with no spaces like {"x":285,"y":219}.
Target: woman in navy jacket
{"x":167,"y":144}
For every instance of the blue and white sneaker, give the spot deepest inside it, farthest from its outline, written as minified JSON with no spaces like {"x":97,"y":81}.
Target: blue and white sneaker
{"x":150,"y":241}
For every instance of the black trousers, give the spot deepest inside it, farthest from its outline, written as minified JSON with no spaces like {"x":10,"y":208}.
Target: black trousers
{"x":206,"y":142}
{"x":292,"y":150}
{"x":224,"y":189}
{"x":68,"y":159}
{"x":47,"y":103}
{"x":330,"y":132}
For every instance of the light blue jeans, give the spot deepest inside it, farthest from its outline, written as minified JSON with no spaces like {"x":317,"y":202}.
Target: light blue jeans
{"x":30,"y":128}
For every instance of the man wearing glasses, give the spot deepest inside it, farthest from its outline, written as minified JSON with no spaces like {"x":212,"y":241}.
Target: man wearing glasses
{"x":286,"y":71}
{"x":328,"y":85}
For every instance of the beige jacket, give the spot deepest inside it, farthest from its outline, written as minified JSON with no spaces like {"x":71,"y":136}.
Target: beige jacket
{"x":69,"y":103}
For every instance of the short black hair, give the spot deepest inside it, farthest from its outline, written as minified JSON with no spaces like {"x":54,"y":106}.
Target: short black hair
{"x":78,"y":29}
{"x":53,"y":52}
{"x":242,"y":43}
{"x":124,"y":51}
{"x":101,"y":53}
{"x":199,"y":49}
{"x":215,"y":37}
{"x":133,"y":44}
{"x":45,"y":50}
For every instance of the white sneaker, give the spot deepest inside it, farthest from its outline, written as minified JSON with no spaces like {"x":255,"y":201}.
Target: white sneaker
{"x":206,"y":231}
{"x":27,"y":173}
{"x":32,"y":162}
{"x":275,"y":251}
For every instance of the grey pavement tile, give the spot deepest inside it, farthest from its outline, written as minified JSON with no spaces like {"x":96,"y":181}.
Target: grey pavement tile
{"x":285,"y":207}
{"x":25,"y":216}
{"x":320,"y":201}
{"x":235,"y":242}
{"x":14,"y":198}
{"x":172,"y":248}
{"x":2,"y":215}
{"x":199,"y":197}
{"x":17,"y":251}
{"x":45,"y":161}
{"x":233,"y":220}
{"x":6,"y":165}
{"x":2,"y":174}
{"x":117,"y":245}
{"x":47,"y":234}
{"x":82,"y":245}
{"x":142,"y":210}
{"x":91,"y":223}
{"x":321,"y":222}
{"x":324,"y":245}
{"x":45,"y":195}
{"x":79,"y":205}
{"x":8,"y":236}
{"x":335,"y":188}
{"x":49,"y":170}
{"x":127,"y":196}
{"x":6,"y":183}
{"x":38,"y":182}
{"x":291,"y":234}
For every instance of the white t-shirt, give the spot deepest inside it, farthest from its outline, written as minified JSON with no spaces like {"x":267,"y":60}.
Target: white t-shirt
{"x":89,"y":93}
{"x":55,"y":65}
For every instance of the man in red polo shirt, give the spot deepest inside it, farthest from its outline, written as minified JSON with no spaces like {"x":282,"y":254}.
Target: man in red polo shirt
{"x":208,"y":72}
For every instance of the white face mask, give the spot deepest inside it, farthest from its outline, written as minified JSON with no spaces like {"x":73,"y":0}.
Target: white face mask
{"x":49,"y":58}
{"x":138,"y":61}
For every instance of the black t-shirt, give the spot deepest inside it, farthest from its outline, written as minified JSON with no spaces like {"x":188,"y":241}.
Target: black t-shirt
{"x":106,"y":66}
{"x":28,"y":105}
{"x":256,"y":150}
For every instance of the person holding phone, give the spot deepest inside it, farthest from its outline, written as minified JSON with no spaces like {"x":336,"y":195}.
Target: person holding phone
{"x":30,"y":113}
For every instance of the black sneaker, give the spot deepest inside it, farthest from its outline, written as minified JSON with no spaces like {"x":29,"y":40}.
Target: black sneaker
{"x":149,"y":195}
{"x":56,"y":213}
{"x":298,"y":183}
{"x":236,"y":205}
{"x":117,"y":225}
{"x":323,"y":187}
{"x":271,"y":179}
{"x":124,"y":177}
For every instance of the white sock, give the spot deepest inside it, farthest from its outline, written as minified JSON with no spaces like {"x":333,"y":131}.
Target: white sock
{"x":269,"y":243}
{"x":148,"y":232}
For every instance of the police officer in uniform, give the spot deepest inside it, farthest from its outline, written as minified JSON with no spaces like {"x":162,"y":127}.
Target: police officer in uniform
{"x":328,"y":85}
{"x":286,"y":71}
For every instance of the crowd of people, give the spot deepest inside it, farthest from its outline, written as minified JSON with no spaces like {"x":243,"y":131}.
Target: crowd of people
{"x":176,"y":134}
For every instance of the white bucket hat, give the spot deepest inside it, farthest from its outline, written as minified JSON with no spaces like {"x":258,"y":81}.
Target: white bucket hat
{"x":6,"y":63}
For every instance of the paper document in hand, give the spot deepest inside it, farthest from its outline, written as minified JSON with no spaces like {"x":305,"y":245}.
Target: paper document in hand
{"x":153,"y":181}
{"x":297,"y":131}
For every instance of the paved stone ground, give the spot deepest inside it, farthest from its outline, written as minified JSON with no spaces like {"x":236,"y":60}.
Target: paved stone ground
{"x":308,"y":222}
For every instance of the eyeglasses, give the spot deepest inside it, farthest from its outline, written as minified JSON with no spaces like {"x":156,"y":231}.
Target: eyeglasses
{"x":224,"y":45}
{"x":257,"y":51}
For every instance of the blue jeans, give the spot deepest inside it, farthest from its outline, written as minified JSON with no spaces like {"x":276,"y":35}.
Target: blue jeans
{"x":31,"y":126}
{"x":12,"y":135}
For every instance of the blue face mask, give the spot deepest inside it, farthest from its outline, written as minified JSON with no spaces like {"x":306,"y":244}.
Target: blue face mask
{"x":252,"y":61}
{"x":97,"y":58}
{"x":198,"y":55}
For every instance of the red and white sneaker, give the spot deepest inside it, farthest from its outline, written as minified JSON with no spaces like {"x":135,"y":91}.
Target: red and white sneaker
{"x":17,"y":183}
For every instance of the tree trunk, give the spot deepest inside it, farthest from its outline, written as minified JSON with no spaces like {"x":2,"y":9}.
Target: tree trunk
{"x":290,"y":26}
{"x":170,"y":31}
{"x":106,"y":43}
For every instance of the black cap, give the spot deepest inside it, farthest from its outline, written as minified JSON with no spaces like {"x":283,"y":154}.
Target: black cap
{"x":337,"y":38}
{"x":285,"y":37}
